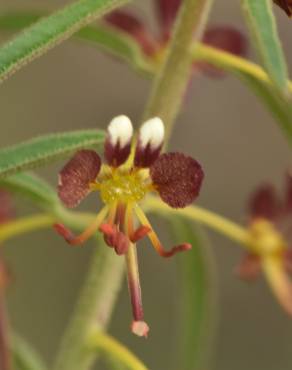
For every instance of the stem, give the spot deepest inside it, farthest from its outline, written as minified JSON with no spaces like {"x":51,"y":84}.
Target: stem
{"x":170,"y":84}
{"x":205,"y":217}
{"x":230,"y":62}
{"x":25,"y":225}
{"x":94,"y":308}
{"x":115,"y":351}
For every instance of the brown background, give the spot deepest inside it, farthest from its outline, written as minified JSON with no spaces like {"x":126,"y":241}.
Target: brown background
{"x":222,"y":125}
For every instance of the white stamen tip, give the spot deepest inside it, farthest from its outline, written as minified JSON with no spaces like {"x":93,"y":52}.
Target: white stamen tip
{"x":120,"y":129}
{"x":140,"y":328}
{"x":152,"y":133}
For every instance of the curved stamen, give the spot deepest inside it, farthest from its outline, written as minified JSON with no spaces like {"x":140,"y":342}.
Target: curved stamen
{"x":155,"y":240}
{"x":91,"y":229}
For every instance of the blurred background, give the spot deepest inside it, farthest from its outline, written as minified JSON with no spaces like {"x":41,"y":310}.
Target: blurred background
{"x":222,"y":125}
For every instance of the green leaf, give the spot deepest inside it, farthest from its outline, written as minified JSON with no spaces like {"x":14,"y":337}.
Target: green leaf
{"x":45,"y":149}
{"x":263,"y":27}
{"x":117,"y":43}
{"x":51,"y":31}
{"x":24,"y":357}
{"x":198,"y":286}
{"x":256,"y":79}
{"x":33,"y":187}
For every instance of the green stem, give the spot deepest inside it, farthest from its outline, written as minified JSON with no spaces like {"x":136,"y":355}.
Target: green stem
{"x":205,"y":217}
{"x":115,"y":351}
{"x":170,"y":84}
{"x":93,"y":309}
{"x":25,"y":225}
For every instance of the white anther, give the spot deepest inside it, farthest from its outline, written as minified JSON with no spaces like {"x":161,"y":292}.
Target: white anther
{"x":152,"y":133}
{"x":120,"y":129}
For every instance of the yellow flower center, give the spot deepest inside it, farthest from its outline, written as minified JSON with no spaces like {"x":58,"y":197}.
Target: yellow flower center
{"x":265,"y":238}
{"x":123,"y":187}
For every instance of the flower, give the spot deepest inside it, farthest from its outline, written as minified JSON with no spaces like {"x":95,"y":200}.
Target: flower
{"x":130,"y":172}
{"x":270,"y":241}
{"x":286,"y":5}
{"x":222,"y":37}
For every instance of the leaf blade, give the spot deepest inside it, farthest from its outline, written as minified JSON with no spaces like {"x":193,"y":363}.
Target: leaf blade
{"x":256,"y":79}
{"x":104,"y":37}
{"x":33,"y":187}
{"x":49,"y":32}
{"x":24,"y":356}
{"x":260,"y":17}
{"x":199,"y":297}
{"x":45,"y":149}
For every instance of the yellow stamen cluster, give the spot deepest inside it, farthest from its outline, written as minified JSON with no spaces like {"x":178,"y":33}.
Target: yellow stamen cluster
{"x":265,"y":239}
{"x":123,"y":186}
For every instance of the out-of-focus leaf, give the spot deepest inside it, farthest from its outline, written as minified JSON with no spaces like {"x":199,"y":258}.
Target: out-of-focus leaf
{"x":33,"y":187}
{"x":263,"y":27}
{"x":24,"y":357}
{"x":107,"y":38}
{"x":198,"y":286}
{"x":51,"y":31}
{"x":116,"y":354}
{"x":45,"y":149}
{"x":256,"y":79}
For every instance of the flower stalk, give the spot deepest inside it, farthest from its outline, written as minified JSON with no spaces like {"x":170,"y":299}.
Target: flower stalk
{"x":205,"y":217}
{"x":170,"y":84}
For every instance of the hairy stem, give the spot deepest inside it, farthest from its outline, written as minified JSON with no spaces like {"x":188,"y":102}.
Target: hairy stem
{"x":170,"y":85}
{"x":93,"y":309}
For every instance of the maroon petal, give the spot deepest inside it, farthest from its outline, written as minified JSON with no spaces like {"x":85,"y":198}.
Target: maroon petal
{"x":134,"y":27}
{"x":178,"y":178}
{"x":224,"y":38}
{"x":265,"y":203}
{"x":6,"y":208}
{"x":249,"y":268}
{"x":167,"y":11}
{"x":287,"y":256}
{"x":286,"y":5}
{"x":76,"y":176}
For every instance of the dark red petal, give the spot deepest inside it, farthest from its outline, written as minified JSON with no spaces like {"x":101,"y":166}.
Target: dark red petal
{"x":286,"y":5}
{"x":76,"y":176}
{"x":249,"y":267}
{"x":145,"y":157}
{"x":115,"y":155}
{"x":224,"y":38}
{"x":287,"y":256}
{"x":265,"y":203}
{"x":6,"y":208}
{"x":134,"y":27}
{"x":167,"y":11}
{"x":178,"y":178}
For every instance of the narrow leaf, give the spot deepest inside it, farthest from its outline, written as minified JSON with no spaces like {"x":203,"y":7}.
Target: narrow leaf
{"x":117,"y":355}
{"x":104,"y":37}
{"x":256,"y":79}
{"x":259,"y":14}
{"x":24,"y":357}
{"x":49,"y":32}
{"x":33,"y":187}
{"x":198,"y":285}
{"x":45,"y":149}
